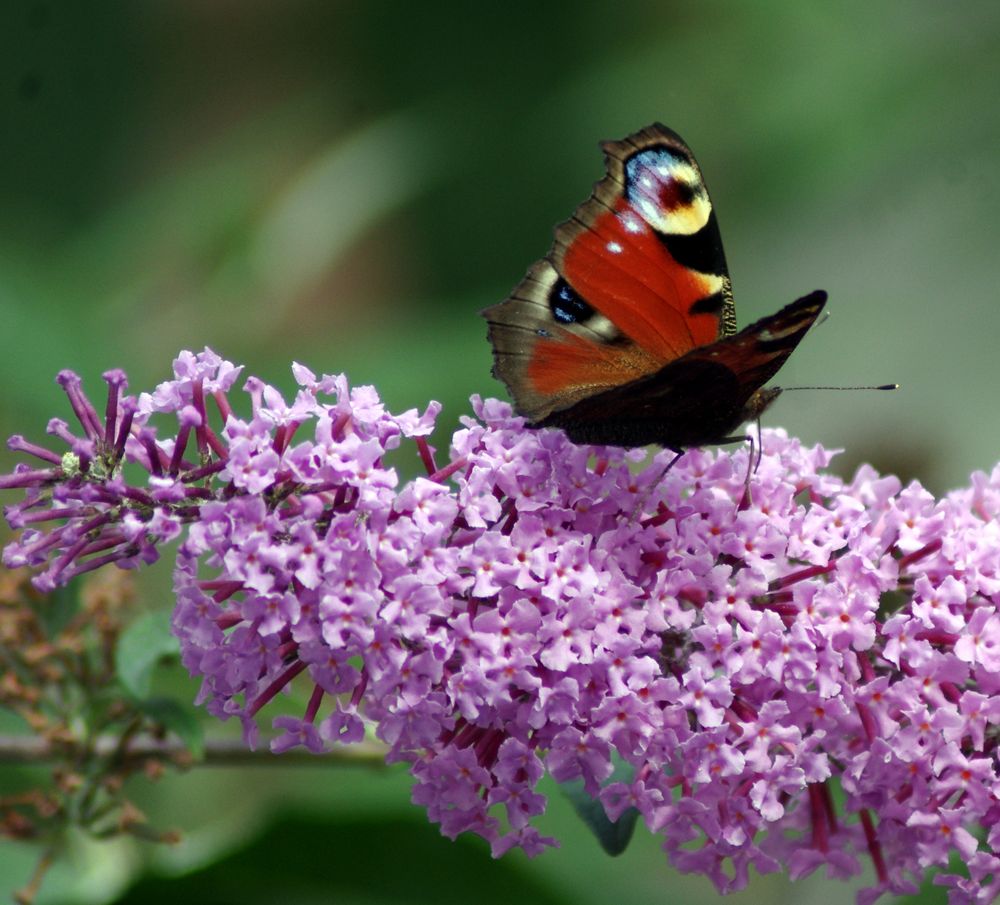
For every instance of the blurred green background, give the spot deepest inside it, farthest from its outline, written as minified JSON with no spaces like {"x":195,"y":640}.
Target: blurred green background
{"x":347,"y":184}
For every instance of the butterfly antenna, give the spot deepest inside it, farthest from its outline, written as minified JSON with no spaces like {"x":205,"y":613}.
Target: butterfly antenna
{"x":884,"y":386}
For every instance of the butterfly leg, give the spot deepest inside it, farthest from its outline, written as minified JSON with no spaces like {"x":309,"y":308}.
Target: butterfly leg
{"x":760,"y":445}
{"x":753,"y":463}
{"x":648,"y":492}
{"x":745,"y":500}
{"x":752,"y":466}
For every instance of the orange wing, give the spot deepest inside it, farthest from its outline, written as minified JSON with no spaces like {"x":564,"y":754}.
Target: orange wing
{"x":635,"y":279}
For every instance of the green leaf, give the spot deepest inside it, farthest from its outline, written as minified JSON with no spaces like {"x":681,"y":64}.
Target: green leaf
{"x":179,"y":719}
{"x":613,"y":836}
{"x":141,"y":647}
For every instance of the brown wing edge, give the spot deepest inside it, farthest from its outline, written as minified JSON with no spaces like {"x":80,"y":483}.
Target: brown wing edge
{"x":513,"y":327}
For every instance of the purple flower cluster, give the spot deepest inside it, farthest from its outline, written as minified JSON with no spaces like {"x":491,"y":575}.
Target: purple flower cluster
{"x":806,"y":675}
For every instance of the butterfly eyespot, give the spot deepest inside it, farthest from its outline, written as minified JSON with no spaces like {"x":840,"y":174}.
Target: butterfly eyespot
{"x":666,"y":189}
{"x":567,"y":307}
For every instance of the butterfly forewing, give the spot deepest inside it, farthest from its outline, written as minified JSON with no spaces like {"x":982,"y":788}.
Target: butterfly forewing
{"x":651,"y":219}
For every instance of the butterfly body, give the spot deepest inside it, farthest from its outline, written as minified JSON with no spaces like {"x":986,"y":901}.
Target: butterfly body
{"x":625,"y":334}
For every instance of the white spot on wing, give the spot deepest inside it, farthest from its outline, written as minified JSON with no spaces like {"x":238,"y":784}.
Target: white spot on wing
{"x":614,"y":247}
{"x":631,"y":223}
{"x":650,"y":211}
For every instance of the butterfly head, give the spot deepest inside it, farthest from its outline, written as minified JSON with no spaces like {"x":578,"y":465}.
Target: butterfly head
{"x":759,"y":402}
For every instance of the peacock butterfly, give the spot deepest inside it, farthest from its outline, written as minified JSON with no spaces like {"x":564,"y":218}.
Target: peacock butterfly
{"x":625,"y":334}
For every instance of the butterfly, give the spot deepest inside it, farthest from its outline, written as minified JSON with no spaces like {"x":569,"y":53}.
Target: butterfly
{"x":625,"y":333}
